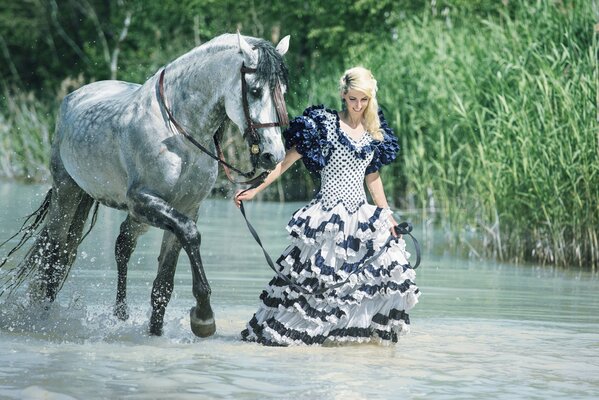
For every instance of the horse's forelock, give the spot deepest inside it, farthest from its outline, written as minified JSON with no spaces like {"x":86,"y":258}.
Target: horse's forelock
{"x":271,"y":66}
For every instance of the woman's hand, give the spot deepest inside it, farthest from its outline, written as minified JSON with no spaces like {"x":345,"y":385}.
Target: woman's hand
{"x":393,"y":225}
{"x":243,"y":195}
{"x":290,"y":157}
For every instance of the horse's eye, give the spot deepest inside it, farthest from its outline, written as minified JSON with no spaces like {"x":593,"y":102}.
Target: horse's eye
{"x":256,"y":92}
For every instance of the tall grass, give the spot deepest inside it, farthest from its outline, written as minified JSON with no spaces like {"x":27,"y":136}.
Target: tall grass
{"x":498,"y":123}
{"x":499,"y":131}
{"x":25,"y":126}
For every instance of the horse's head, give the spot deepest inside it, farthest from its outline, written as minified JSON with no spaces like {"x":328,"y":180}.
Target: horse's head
{"x":255,"y":103}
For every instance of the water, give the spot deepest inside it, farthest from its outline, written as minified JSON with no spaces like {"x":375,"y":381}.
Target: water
{"x":481,"y":330}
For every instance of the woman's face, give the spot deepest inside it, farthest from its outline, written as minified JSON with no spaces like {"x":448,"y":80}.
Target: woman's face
{"x":355,"y":101}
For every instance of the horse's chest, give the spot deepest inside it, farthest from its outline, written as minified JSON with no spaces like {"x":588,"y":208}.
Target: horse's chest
{"x":188,"y":177}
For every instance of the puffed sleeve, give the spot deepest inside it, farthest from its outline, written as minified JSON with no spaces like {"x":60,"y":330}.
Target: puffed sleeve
{"x":310,"y":141}
{"x":386,"y":150}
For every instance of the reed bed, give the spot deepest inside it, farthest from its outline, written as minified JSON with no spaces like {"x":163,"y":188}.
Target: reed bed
{"x":498,"y":121}
{"x":25,"y":126}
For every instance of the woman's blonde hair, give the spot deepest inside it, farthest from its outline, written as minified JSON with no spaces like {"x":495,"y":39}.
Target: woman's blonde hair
{"x":361,"y":79}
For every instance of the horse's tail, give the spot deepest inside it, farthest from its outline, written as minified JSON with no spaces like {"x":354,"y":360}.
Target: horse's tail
{"x":34,"y":220}
{"x":32,"y":227}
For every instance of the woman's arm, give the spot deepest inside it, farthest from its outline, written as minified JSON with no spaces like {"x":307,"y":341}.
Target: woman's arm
{"x":291,"y":157}
{"x":374,"y":183}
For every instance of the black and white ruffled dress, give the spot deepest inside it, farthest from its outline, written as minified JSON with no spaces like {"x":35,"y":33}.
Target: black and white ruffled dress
{"x":330,"y":238}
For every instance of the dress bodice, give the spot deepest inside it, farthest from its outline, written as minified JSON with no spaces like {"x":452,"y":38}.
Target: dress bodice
{"x":342,"y":178}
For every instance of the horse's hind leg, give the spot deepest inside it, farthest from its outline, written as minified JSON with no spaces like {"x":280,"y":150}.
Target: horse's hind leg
{"x":56,"y":248}
{"x":125,"y":244}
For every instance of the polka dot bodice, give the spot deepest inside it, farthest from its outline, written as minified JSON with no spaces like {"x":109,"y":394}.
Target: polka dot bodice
{"x":342,"y":178}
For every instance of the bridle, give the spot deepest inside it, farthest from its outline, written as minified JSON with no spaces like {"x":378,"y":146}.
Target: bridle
{"x":251,"y":130}
{"x":251,"y":127}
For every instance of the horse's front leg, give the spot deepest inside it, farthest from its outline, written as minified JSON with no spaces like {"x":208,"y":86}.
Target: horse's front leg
{"x":125,"y":244}
{"x":155,"y":211}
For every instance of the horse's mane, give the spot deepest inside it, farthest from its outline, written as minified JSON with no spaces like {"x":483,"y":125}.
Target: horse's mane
{"x":271,"y":66}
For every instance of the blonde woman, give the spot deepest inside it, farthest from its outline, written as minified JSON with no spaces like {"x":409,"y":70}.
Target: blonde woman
{"x":337,"y":231}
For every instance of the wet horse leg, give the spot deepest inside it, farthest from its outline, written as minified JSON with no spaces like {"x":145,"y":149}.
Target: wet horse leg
{"x":56,"y":248}
{"x":164,"y":282}
{"x":157,"y":212}
{"x":124,"y":247}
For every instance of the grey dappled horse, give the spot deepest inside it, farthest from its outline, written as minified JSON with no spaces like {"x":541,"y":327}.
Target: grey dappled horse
{"x":115,"y":144}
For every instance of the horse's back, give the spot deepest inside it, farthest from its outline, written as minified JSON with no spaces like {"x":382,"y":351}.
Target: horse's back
{"x":92,"y":124}
{"x":97,"y":94}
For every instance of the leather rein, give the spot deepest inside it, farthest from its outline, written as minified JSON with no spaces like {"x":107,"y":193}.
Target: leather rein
{"x":251,"y":130}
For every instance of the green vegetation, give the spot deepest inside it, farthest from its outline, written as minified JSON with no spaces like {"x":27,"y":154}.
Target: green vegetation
{"x":498,"y":121}
{"x":495,"y":102}
{"x":25,"y":127}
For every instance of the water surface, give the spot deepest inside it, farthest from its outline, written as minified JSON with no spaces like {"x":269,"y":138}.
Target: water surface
{"x":481,"y":329}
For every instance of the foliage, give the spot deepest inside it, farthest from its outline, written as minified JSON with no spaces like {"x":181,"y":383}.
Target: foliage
{"x":498,"y":125}
{"x":24,"y":137}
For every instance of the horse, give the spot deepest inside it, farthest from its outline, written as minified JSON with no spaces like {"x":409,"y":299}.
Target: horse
{"x":128,"y":146}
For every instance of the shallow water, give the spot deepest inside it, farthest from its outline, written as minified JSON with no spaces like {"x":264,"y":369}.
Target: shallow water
{"x":481,"y":330}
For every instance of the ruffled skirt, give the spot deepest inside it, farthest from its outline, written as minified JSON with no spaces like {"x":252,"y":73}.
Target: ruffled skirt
{"x":328,"y":247}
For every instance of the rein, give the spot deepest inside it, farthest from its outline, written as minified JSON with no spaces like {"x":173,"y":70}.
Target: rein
{"x":404,"y":228}
{"x":250,"y":130}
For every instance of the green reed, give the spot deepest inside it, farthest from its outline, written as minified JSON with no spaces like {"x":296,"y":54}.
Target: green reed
{"x":25,"y":129}
{"x":497,"y":118}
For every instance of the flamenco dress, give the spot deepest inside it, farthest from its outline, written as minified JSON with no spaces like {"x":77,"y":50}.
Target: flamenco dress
{"x":331,"y":237}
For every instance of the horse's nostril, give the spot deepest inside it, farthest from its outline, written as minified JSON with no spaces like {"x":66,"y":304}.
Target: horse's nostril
{"x":268,"y":160}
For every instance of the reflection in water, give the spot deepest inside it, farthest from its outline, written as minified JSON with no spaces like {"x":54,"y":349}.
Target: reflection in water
{"x":481,"y":330}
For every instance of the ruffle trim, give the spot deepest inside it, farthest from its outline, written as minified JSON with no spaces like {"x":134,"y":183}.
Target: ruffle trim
{"x":384,"y":329}
{"x":386,"y":150}
{"x":359,"y":151}
{"x":309,"y":136}
{"x":388,"y":276}
{"x":303,"y":306}
{"x":296,"y":265}
{"x":319,"y":309}
{"x":308,"y":133}
{"x":350,"y":231}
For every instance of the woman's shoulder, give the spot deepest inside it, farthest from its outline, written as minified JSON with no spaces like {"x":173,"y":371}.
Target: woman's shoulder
{"x":388,"y":134}
{"x":308,"y":134}
{"x":319,"y":111}
{"x":386,"y":149}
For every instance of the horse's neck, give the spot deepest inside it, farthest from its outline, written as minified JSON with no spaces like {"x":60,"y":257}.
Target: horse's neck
{"x":194,"y":88}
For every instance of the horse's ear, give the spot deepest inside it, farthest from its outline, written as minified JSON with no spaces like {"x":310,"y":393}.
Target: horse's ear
{"x":283,"y":45}
{"x":250,"y":55}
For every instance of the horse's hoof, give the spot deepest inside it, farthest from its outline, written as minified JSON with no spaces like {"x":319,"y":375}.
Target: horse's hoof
{"x":201,"y":327}
{"x":121,"y":311}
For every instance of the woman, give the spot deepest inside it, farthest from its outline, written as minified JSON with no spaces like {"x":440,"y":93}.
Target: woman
{"x":337,"y":231}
